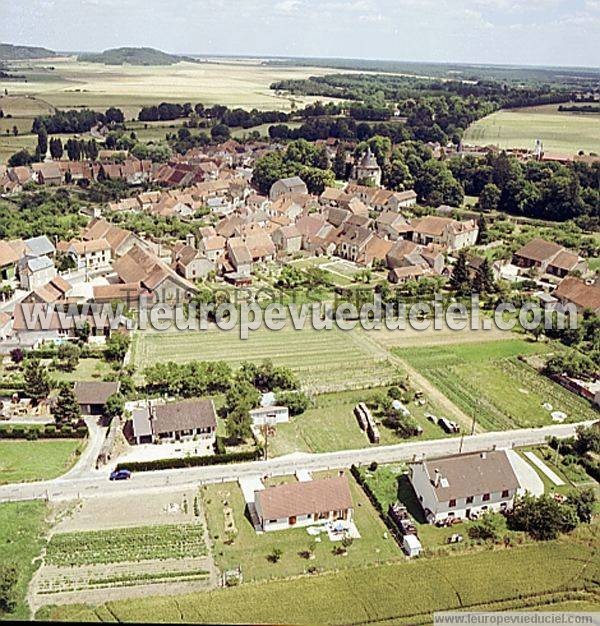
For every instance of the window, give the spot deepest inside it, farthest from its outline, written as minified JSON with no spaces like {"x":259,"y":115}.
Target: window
{"x":486,"y":497}
{"x":505,"y":493}
{"x":469,"y":499}
{"x":452,"y":503}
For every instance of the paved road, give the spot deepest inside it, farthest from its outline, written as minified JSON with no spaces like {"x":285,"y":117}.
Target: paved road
{"x":96,"y":483}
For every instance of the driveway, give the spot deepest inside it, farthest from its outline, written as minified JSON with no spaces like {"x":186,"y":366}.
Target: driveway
{"x":528,"y":478}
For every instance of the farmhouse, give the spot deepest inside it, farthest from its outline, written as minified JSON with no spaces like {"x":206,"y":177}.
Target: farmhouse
{"x":91,"y":255}
{"x":464,"y":485}
{"x":92,"y":396}
{"x":548,"y":257}
{"x":574,"y":291}
{"x":304,"y":503}
{"x":445,"y":231}
{"x":175,"y":421}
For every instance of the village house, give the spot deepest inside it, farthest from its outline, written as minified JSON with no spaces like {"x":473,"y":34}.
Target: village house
{"x":132,"y":295}
{"x":56,"y":290}
{"x":351,"y":241}
{"x":464,"y":485}
{"x":94,"y":254}
{"x":35,"y":271}
{"x":212,"y":247}
{"x":385,"y":200}
{"x":163,"y":282}
{"x":284,"y":205}
{"x":304,"y":503}
{"x":445,"y":231}
{"x":92,"y":396}
{"x":287,"y":186}
{"x":47,"y":173}
{"x":9,"y":258}
{"x":175,"y":421}
{"x":547,"y":257}
{"x":119,"y":239}
{"x":287,"y":239}
{"x":393,"y":226}
{"x":189,"y":262}
{"x":572,"y":290}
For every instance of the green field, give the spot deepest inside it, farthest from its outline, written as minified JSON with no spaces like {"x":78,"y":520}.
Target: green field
{"x":24,"y":461}
{"x":519,"y":128}
{"x":332,"y":425}
{"x":168,"y":541}
{"x":86,"y":370}
{"x":395,"y":593}
{"x":489,"y":381}
{"x":324,"y":360}
{"x":251,"y":551}
{"x":21,"y":529}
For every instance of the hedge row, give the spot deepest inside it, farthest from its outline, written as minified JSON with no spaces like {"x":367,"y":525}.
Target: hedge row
{"x":592,"y":468}
{"x":387,"y":520}
{"x":190,"y":461}
{"x":49,"y":431}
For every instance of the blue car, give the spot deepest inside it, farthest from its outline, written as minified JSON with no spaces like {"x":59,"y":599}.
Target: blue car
{"x":120,"y":474}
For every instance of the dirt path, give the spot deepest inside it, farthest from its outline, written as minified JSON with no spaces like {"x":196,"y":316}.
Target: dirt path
{"x":365,"y":341}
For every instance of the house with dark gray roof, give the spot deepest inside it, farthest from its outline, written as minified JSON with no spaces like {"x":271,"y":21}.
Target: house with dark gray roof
{"x":464,"y":486}
{"x":175,"y":421}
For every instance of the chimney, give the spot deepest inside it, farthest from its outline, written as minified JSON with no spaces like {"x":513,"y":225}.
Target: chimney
{"x":438,"y":477}
{"x":190,"y":240}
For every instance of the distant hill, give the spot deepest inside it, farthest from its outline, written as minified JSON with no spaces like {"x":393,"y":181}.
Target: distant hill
{"x":8,"y":52}
{"x":133,"y":56}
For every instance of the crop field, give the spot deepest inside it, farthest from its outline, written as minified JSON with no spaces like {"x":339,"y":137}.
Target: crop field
{"x":324,"y":360}
{"x":519,"y":128}
{"x":23,"y":461}
{"x":489,"y":381}
{"x":399,"y":593}
{"x":126,"y":544}
{"x":21,"y":539}
{"x":238,"y":544}
{"x":332,"y":425}
{"x":72,"y":84}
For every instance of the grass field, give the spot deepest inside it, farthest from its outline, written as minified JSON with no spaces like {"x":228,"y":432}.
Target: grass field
{"x":23,"y":461}
{"x":324,"y":360}
{"x":489,"y":381}
{"x":251,"y":551}
{"x":21,"y":529}
{"x":87,"y":369}
{"x":395,"y":593}
{"x":332,"y":425}
{"x":519,"y":128}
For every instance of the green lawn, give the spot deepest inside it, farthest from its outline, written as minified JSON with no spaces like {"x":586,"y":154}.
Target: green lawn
{"x":395,"y":593}
{"x":332,"y":425}
{"x":324,"y":360}
{"x":88,"y":369}
{"x":24,"y":461}
{"x":21,"y":529}
{"x":251,"y":551}
{"x":519,"y":128}
{"x":488,"y":380}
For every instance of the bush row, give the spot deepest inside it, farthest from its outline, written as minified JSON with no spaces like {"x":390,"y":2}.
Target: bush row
{"x":49,"y":431}
{"x":190,"y":461}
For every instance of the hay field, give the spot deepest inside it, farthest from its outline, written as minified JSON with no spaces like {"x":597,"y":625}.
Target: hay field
{"x":519,"y":128}
{"x":233,"y":83}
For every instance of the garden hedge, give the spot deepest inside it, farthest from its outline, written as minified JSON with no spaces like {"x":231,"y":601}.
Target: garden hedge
{"x":190,"y":461}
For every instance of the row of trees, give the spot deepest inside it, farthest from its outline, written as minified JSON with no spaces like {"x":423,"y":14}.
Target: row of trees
{"x":76,"y":120}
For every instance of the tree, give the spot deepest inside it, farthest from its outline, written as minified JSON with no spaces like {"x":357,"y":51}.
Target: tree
{"x":115,"y":405}
{"x":17,"y":355}
{"x":489,"y":197}
{"x":460,"y":280}
{"x":339,"y":162}
{"x":220,"y":133}
{"x":42,"y":143}
{"x":8,"y":581}
{"x":543,"y":518}
{"x":69,"y":354}
{"x":584,"y":502}
{"x":296,"y":401}
{"x":66,"y":410}
{"x":56,"y":148}
{"x":587,"y":440}
{"x":487,"y":528}
{"x":275,"y":555}
{"x":22,"y":157}
{"x":116,"y":346}
{"x":483,"y":281}
{"x":36,"y":380}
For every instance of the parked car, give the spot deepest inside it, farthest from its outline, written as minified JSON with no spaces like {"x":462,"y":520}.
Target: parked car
{"x":122,"y":474}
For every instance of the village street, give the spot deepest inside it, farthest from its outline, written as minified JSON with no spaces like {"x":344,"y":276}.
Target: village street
{"x":89,"y":483}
